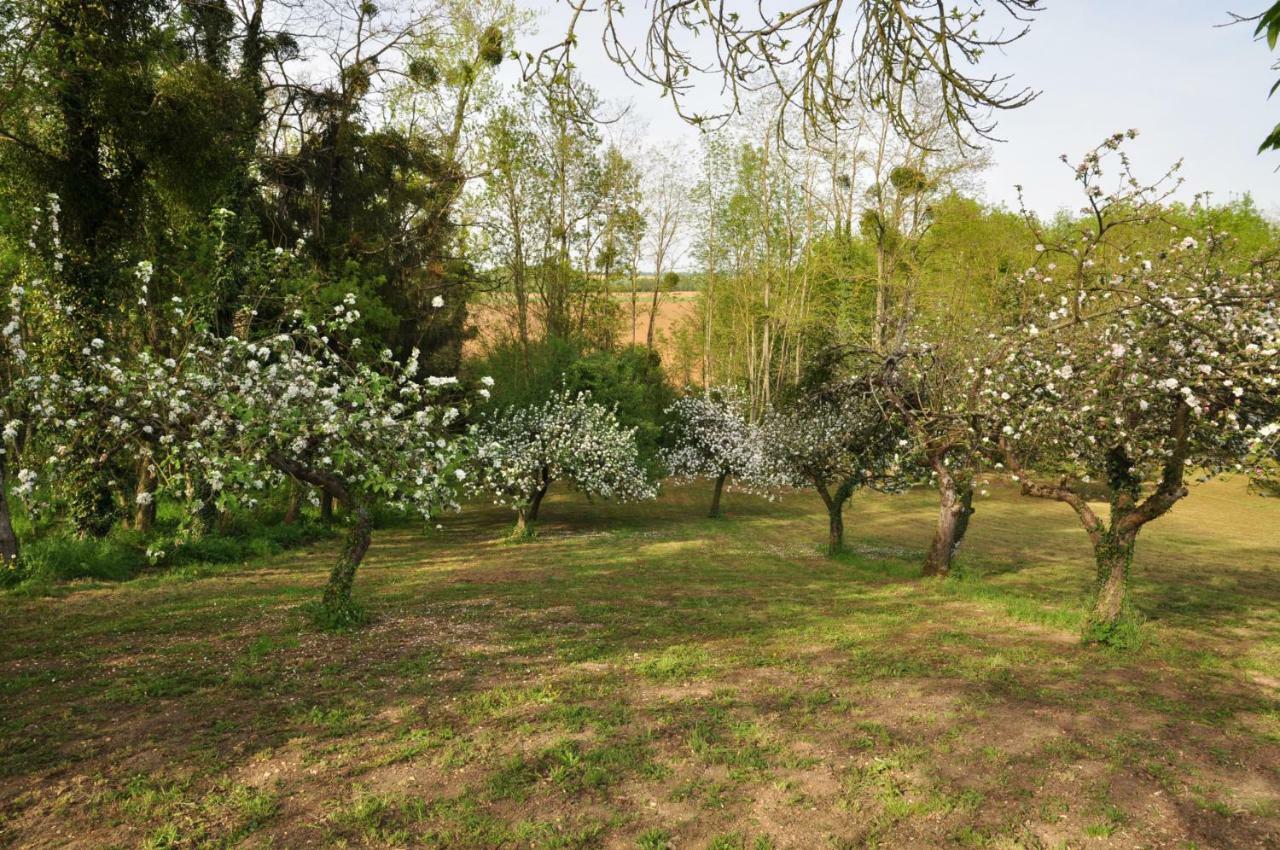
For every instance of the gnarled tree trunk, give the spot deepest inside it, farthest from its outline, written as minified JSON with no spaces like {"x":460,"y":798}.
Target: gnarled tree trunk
{"x":835,"y":535}
{"x":955,"y":506}
{"x":326,"y":506}
{"x":715,"y":496}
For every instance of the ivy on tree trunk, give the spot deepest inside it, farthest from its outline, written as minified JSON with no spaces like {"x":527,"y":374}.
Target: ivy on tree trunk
{"x":1114,"y":554}
{"x":336,"y":601}
{"x":337,"y":593}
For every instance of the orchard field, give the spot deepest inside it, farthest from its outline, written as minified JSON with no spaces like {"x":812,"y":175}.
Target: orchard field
{"x":499,"y":425}
{"x":640,"y":677}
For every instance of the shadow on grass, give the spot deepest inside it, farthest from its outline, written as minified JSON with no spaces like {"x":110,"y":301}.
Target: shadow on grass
{"x":611,"y":602}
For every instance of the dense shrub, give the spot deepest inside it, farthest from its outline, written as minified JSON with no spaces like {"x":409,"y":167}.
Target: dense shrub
{"x":55,"y":555}
{"x":62,"y":558}
{"x":630,"y":381}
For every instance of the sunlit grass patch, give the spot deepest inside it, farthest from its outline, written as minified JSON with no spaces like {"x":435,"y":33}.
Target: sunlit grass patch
{"x":675,"y":662}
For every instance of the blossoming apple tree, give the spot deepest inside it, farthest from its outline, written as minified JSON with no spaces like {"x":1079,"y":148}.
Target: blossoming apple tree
{"x":240,"y":414}
{"x":712,"y":437}
{"x":839,"y":439}
{"x":1142,"y":368}
{"x":520,"y":451}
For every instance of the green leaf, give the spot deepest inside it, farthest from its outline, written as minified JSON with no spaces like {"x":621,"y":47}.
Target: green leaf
{"x":1272,"y":141}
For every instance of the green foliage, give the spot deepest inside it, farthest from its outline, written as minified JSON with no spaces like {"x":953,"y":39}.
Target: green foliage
{"x":654,"y":839}
{"x":1269,"y":24}
{"x":524,"y":377}
{"x":341,"y":616}
{"x":630,"y":380}
{"x":969,"y":261}
{"x":366,"y":204}
{"x":63,"y":558}
{"x":677,"y":662}
{"x":247,"y":540}
{"x":52,"y":554}
{"x":633,"y":382}
{"x":1127,"y":633}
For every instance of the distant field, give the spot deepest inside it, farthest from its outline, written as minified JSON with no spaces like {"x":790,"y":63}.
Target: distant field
{"x":641,"y":677}
{"x":495,"y":320}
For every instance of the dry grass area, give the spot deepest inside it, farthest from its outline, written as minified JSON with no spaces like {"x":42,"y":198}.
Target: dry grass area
{"x":639,"y":677}
{"x":496,"y":318}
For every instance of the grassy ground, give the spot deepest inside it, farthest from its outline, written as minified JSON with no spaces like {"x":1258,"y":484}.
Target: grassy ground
{"x":642,"y":678}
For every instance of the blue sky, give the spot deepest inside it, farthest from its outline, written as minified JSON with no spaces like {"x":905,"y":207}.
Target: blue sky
{"x":1194,"y":90}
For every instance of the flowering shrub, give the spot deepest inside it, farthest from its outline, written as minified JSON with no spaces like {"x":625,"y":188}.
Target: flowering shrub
{"x":712,"y":438}
{"x":838,"y":440}
{"x":519,"y":451}
{"x":1149,"y":367}
{"x":238,"y":415}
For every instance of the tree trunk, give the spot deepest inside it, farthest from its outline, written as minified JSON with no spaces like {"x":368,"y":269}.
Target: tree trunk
{"x":635,"y":296}
{"x":144,"y":512}
{"x":527,"y":515}
{"x":8,"y":539}
{"x":962,"y":522}
{"x":954,"y":509}
{"x":337,"y":593}
{"x":835,"y":537}
{"x":715,"y":497}
{"x":144,"y":516}
{"x":205,"y":515}
{"x":653,"y":305}
{"x":294,"y":504}
{"x":326,"y":506}
{"x":336,"y":601}
{"x":1114,"y":554}
{"x":835,"y":516}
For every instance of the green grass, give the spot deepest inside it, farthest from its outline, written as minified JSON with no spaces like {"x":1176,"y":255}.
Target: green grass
{"x":640,"y":676}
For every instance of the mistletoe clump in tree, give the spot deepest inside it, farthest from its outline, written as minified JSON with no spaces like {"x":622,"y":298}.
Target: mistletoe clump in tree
{"x":712,"y":438}
{"x":519,"y":451}
{"x":240,"y":415}
{"x":1145,"y":367}
{"x":838,"y":439}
